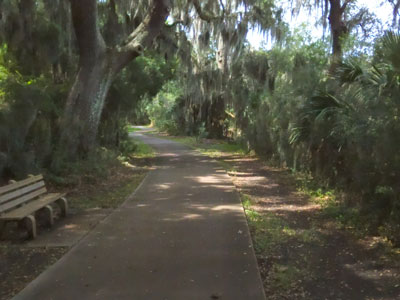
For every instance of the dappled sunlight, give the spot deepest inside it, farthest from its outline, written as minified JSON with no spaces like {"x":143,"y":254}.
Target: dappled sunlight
{"x":162,"y":186}
{"x":184,"y":217}
{"x":237,"y":208}
{"x":291,"y":208}
{"x":199,"y":212}
{"x":70,"y":226}
{"x":162,"y":199}
{"x":169,"y":154}
{"x":206,"y":179}
{"x":370,"y":272}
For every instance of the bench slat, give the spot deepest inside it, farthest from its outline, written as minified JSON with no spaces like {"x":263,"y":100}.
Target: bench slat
{"x":23,"y":199}
{"x":21,"y":212}
{"x":10,"y":187}
{"x":21,"y":192}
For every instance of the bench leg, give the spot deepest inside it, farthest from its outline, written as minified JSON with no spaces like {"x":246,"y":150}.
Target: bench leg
{"x":2,"y":227}
{"x":62,"y":202}
{"x":21,"y":224}
{"x":30,"y":225}
{"x":48,"y":210}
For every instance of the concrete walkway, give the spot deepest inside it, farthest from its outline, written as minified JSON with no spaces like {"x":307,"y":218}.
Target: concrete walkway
{"x":181,"y":236}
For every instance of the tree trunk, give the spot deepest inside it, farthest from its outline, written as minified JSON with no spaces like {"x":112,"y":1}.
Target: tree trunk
{"x":97,"y":69}
{"x":84,"y":105}
{"x":338,"y":31}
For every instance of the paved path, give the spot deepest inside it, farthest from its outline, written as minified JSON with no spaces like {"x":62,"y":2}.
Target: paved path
{"x":182,"y":236}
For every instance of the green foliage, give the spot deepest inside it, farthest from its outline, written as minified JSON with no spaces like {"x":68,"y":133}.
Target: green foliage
{"x":163,"y":109}
{"x":28,"y":113}
{"x":143,"y":150}
{"x":130,"y":94}
{"x":342,"y":128}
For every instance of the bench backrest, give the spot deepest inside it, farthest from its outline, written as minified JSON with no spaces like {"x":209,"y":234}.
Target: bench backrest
{"x":18,"y":193}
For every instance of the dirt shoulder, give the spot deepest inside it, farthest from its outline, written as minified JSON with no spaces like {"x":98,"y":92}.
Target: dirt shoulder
{"x":301,"y":252}
{"x":303,"y":249}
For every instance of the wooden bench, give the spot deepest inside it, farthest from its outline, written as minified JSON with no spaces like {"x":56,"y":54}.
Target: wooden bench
{"x":19,"y":201}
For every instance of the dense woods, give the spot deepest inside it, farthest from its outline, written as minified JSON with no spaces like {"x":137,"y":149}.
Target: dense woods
{"x":74,"y":74}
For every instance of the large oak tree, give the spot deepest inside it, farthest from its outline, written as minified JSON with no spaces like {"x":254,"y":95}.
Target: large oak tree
{"x":98,"y":66}
{"x":99,"y":63}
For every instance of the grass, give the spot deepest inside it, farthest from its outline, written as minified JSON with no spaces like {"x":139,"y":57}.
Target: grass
{"x":142,"y":150}
{"x":285,"y":277}
{"x":104,"y":198}
{"x":270,"y":234}
{"x":131,"y":128}
{"x":333,"y":207}
{"x":269,"y":230}
{"x":106,"y":180}
{"x":212,"y":148}
{"x":215,"y":149}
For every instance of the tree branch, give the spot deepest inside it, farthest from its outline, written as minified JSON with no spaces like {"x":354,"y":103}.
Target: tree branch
{"x":344,"y":6}
{"x":396,"y":7}
{"x":205,"y":16}
{"x":223,"y":7}
{"x":144,"y":34}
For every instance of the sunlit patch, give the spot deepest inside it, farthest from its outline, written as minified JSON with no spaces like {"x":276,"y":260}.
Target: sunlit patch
{"x":223,"y":186}
{"x":191,"y":216}
{"x":364,"y":271}
{"x":162,"y":186}
{"x":170,"y":154}
{"x":206,"y":179}
{"x":280,"y":207}
{"x":70,"y":226}
{"x":184,"y":217}
{"x":127,"y":164}
{"x":142,"y":205}
{"x":227,"y":207}
{"x":200,"y":207}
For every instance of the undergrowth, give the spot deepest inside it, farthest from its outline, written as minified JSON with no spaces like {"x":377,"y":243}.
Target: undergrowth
{"x":105,"y":179}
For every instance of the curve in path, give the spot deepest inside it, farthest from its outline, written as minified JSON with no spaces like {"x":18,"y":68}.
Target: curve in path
{"x":182,"y":235}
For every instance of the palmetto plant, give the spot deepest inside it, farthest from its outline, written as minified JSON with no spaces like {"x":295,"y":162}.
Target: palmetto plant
{"x":351,"y":129}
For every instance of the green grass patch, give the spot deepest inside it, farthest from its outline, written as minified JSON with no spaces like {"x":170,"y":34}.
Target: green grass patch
{"x":131,"y":128}
{"x":143,"y":150}
{"x":284,"y":277}
{"x":268,"y":230}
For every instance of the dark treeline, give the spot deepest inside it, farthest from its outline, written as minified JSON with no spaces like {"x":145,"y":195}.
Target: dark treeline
{"x":74,"y":74}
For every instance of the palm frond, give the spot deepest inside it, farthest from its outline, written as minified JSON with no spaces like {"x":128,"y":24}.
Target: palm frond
{"x":391,"y":49}
{"x":350,"y":71}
